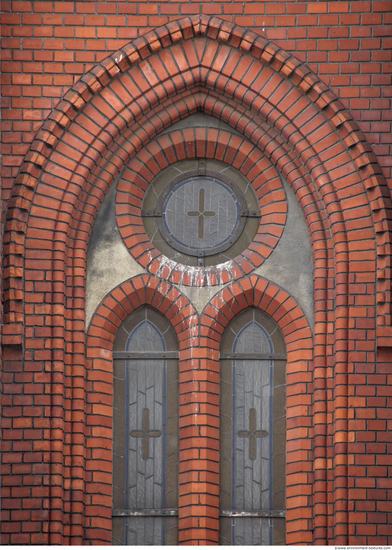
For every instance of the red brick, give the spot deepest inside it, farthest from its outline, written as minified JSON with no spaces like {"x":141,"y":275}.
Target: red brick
{"x":358,"y":71}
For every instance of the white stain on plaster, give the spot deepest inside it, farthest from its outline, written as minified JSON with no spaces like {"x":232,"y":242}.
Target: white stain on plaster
{"x":111,"y":264}
{"x":200,"y":295}
{"x":109,"y":267}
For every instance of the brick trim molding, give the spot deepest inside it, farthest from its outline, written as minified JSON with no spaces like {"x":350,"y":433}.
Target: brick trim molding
{"x":199,"y":339}
{"x":209,"y":144}
{"x":120,"y":303}
{"x":301,"y":484}
{"x":296,"y":106}
{"x":283,"y":110}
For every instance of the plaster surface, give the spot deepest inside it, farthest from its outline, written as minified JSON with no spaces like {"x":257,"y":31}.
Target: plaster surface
{"x":109,"y":263}
{"x":291,"y":263}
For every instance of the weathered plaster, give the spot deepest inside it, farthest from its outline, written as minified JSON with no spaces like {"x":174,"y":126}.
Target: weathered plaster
{"x":109,"y":263}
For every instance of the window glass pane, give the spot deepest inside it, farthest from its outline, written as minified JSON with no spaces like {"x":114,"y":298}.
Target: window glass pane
{"x":253,"y":431}
{"x":253,"y":339}
{"x":145,"y":458}
{"x":145,"y":337}
{"x":194,"y":212}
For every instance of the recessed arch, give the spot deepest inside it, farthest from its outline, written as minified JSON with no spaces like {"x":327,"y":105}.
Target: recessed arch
{"x":256,"y":292}
{"x":110,"y":315}
{"x":118,"y":108}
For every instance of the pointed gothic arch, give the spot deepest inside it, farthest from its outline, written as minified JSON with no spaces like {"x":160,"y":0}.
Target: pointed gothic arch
{"x":303,"y":430}
{"x":104,"y":121}
{"x":121,"y":104}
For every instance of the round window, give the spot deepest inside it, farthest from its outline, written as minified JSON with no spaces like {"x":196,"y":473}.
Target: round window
{"x":201,"y":214}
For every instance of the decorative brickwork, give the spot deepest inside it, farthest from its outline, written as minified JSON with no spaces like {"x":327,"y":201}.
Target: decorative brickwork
{"x":290,"y":109}
{"x":47,"y":46}
{"x":57,"y":392}
{"x":197,"y":443}
{"x":200,"y":143}
{"x":199,"y":340}
{"x":259,"y":293}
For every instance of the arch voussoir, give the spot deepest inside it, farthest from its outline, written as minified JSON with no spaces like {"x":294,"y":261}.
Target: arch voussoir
{"x":265,"y":295}
{"x":114,"y":116}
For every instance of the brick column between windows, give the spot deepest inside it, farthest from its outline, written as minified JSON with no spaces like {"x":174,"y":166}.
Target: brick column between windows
{"x":199,"y":444}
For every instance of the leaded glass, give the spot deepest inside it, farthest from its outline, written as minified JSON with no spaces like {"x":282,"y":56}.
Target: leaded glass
{"x":145,"y":418}
{"x":201,"y":213}
{"x":252,"y":439}
{"x":145,"y":415}
{"x":252,"y":432}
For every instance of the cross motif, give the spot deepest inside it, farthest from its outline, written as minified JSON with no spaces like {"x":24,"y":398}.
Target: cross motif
{"x":201,"y":214}
{"x":145,"y":433}
{"x":252,"y":433}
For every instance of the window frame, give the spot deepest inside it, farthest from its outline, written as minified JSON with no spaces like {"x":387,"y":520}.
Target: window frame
{"x":277,"y":359}
{"x":122,"y":358}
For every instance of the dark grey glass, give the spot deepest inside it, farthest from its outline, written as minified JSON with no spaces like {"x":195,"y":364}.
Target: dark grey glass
{"x":201,"y":213}
{"x":145,"y":455}
{"x":252,"y":436}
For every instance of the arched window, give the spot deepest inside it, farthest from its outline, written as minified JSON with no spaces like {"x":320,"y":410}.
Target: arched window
{"x":145,"y":431}
{"x":252,"y":431}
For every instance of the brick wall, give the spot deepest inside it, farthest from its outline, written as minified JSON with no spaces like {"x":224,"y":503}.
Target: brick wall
{"x":72,"y":163}
{"x":48,"y":46}
{"x":199,"y":420}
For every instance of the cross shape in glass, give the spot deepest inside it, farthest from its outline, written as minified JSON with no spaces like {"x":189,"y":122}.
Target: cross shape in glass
{"x":145,"y":433}
{"x":252,"y":433}
{"x":201,"y":213}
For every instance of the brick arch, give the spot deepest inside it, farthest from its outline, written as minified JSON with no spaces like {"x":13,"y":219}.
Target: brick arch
{"x":257,"y":292}
{"x":210,"y":144}
{"x":111,"y":113}
{"x":107,"y":100}
{"x":107,"y":319}
{"x":130,"y":295}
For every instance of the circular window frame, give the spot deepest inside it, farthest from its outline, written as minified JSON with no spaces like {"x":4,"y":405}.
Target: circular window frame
{"x":222,"y":180}
{"x":181,"y":146}
{"x":159,"y":188}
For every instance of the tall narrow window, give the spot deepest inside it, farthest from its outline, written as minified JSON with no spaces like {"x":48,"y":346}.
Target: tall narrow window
{"x":145,"y":431}
{"x":252,"y":432}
